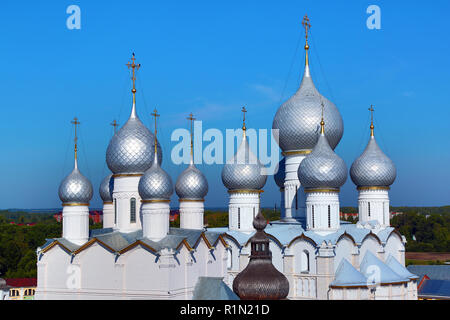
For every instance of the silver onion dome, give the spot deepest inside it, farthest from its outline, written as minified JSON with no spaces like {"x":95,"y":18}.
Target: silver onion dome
{"x":131,"y":149}
{"x":106,"y":188}
{"x":322,"y":168}
{"x":298,"y":117}
{"x":279,"y":177}
{"x":191,"y":184}
{"x":373,"y":168}
{"x":75,"y":188}
{"x":155,"y":184}
{"x":244,"y":170}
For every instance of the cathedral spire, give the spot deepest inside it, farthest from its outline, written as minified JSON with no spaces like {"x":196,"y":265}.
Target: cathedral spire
{"x":371,"y":109}
{"x":134,"y":67}
{"x":244,"y":128}
{"x":75,"y":123}
{"x":115,"y":125}
{"x":191,"y":120}
{"x":322,"y":123}
{"x":155,"y":115}
{"x":307,"y":26}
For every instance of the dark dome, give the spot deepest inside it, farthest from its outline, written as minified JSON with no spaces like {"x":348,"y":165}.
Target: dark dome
{"x":260,"y":280}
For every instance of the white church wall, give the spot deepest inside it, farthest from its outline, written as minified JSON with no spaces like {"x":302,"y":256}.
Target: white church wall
{"x":304,"y":254}
{"x":98,"y":271}
{"x":370,"y":243}
{"x":277,"y":256}
{"x":344,"y":249}
{"x":143,"y":274}
{"x":395,"y":247}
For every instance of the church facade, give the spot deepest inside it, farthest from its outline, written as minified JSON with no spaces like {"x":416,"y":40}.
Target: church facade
{"x":138,"y":256}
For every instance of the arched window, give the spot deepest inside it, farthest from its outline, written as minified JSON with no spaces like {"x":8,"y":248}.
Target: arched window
{"x":115,"y":211}
{"x":304,"y":260}
{"x":369,"y":208}
{"x":230,"y":259}
{"x":133,"y":210}
{"x":329,"y":217}
{"x":239,"y":218}
{"x":313,"y":216}
{"x":253,"y":212}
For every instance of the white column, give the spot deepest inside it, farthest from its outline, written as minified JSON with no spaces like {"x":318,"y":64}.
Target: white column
{"x":155,"y":219}
{"x":294,"y":197}
{"x":76,"y":223}
{"x":126,"y":189}
{"x":373,"y":204}
{"x":242,"y":209}
{"x":108,"y":215}
{"x":282,"y":205}
{"x":191,"y":214}
{"x":322,"y":211}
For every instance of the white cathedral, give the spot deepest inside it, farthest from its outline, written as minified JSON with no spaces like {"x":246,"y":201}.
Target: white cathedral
{"x":138,"y":256}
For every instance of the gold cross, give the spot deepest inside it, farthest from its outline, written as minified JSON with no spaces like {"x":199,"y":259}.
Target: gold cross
{"x":306,"y":25}
{"x":155,"y":115}
{"x":244,"y":111}
{"x":134,"y":68}
{"x":115,"y":125}
{"x":191,"y":119}
{"x":371,"y":109}
{"x":75,"y":122}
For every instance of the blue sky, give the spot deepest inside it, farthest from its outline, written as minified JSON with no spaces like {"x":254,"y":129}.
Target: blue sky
{"x":210,"y":58}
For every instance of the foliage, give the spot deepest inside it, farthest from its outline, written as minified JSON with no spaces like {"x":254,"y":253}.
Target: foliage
{"x":424,"y":233}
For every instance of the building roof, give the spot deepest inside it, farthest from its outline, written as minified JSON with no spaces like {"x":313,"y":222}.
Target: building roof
{"x":21,"y":282}
{"x":121,"y":242}
{"x":439,"y":289}
{"x":348,"y":276}
{"x":377,"y":272}
{"x":434,"y":272}
{"x":399,"y":269}
{"x":212,"y":288}
{"x":284,"y":233}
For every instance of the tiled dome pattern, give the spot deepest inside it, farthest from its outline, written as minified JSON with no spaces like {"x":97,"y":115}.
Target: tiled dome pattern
{"x":243,"y":170}
{"x":191,"y":184}
{"x":155,"y":184}
{"x":297,"y":119}
{"x":75,"y":188}
{"x":106,"y":188}
{"x":322,"y":168}
{"x":131,"y":150}
{"x":373,"y":168}
{"x":281,"y":173}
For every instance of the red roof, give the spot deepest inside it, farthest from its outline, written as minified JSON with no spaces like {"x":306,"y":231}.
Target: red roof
{"x":21,"y":282}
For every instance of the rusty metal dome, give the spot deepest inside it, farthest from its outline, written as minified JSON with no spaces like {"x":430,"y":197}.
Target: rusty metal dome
{"x":260,"y":280}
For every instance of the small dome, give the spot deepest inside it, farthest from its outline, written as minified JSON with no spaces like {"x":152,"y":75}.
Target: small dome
{"x":281,"y":173}
{"x":191,"y":184}
{"x":373,"y":168}
{"x":322,"y":168}
{"x":260,"y":280}
{"x":298,"y":117}
{"x":131,"y":149}
{"x":155,"y":184}
{"x":106,"y":188}
{"x":243,"y":170}
{"x":75,"y":188}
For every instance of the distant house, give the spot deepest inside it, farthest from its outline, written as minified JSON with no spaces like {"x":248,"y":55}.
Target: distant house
{"x":95,"y":215}
{"x":346,"y":215}
{"x":393,"y":214}
{"x":174,"y":214}
{"x":434,"y":281}
{"x":21,"y":288}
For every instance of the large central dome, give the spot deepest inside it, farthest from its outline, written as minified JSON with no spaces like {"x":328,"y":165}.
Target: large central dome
{"x":131,"y":150}
{"x":297,"y":119}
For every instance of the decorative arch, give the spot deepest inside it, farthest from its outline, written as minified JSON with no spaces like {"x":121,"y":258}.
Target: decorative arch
{"x":371,"y":234}
{"x":302,"y":237}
